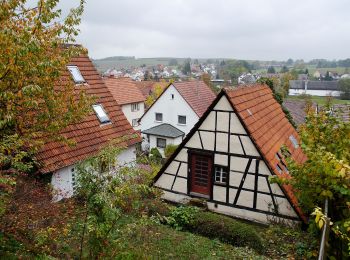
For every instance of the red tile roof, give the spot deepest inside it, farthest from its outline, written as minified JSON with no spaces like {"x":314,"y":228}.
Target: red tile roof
{"x":89,"y":135}
{"x":197,"y":94}
{"x":147,"y":87}
{"x":268,"y":127}
{"x":124,"y":90}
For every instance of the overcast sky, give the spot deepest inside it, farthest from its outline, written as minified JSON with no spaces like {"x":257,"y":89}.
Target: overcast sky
{"x":243,"y":29}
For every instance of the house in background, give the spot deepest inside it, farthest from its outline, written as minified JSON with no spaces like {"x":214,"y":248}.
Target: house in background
{"x":314,"y":88}
{"x":129,"y":97}
{"x":174,"y":113}
{"x":229,"y":155}
{"x":148,"y":87}
{"x":106,"y":122}
{"x":297,"y":109}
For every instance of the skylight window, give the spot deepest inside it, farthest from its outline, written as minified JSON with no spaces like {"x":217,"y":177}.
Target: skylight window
{"x":75,"y":72}
{"x":294,"y":141}
{"x":101,"y":114}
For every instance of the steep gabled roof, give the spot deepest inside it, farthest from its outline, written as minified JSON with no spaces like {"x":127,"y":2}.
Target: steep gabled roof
{"x":89,"y":135}
{"x":263,"y":118}
{"x":197,"y":94}
{"x":124,"y":90}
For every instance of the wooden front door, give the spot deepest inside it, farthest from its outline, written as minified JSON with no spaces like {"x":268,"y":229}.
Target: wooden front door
{"x":201,"y":170}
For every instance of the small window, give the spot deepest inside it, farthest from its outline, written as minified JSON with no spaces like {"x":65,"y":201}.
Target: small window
{"x":74,"y":183}
{"x":182,"y":120}
{"x":294,"y":141}
{"x":159,"y":117}
{"x":135,"y":107}
{"x":221,"y":174}
{"x":77,"y":77}
{"x":278,"y":157}
{"x":172,"y":96}
{"x":161,"y":142}
{"x":279,"y":168}
{"x":135,"y":122}
{"x":101,"y":114}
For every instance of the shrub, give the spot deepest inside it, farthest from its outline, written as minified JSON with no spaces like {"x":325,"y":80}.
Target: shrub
{"x":169,"y":150}
{"x":180,"y":217}
{"x":155,"y":155}
{"x":225,"y":229}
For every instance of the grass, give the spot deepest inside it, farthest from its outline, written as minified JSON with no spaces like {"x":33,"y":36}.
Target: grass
{"x":156,"y":241}
{"x":320,"y":100}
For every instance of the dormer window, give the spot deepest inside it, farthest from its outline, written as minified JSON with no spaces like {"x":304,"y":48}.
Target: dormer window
{"x":101,"y":114}
{"x":76,"y":74}
{"x":294,"y":141}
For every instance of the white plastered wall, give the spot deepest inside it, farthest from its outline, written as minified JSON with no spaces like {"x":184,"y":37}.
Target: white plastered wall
{"x":62,"y":179}
{"x":130,"y":115}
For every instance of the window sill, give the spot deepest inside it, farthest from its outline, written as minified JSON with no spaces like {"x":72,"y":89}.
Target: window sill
{"x":158,"y":121}
{"x":181,"y":124}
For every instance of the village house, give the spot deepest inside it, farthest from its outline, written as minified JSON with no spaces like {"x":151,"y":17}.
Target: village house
{"x":297,"y":109}
{"x":174,"y":113}
{"x":230,"y":154}
{"x":106,"y":122}
{"x":314,"y":88}
{"x":129,"y":97}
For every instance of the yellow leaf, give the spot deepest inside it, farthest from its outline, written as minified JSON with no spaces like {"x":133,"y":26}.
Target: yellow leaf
{"x":320,"y":223}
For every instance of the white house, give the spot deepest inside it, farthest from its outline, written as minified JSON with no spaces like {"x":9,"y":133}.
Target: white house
{"x":129,"y":97}
{"x":174,"y":113}
{"x":229,"y":155}
{"x":106,"y":122}
{"x":314,"y":88}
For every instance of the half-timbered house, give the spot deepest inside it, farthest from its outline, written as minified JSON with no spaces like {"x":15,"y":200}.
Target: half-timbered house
{"x":230,"y":154}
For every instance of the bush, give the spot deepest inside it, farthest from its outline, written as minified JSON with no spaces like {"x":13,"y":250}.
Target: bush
{"x":169,"y":150}
{"x":180,"y":217}
{"x":344,"y":86}
{"x":155,"y":155}
{"x":225,"y":229}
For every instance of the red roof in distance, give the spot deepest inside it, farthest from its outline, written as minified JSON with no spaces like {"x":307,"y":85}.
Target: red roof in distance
{"x":124,"y":90}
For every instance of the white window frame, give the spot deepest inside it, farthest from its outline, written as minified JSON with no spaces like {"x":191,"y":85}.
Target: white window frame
{"x":156,"y":117}
{"x":178,"y":120}
{"x":135,"y":107}
{"x":101,"y":114}
{"x":135,"y":122}
{"x":76,"y":74}
{"x":158,"y":139}
{"x":220,"y":174}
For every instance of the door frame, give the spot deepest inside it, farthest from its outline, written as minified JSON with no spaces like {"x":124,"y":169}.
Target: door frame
{"x":189,"y":173}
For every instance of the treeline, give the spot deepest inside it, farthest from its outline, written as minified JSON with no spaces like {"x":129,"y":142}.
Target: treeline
{"x":323,"y":63}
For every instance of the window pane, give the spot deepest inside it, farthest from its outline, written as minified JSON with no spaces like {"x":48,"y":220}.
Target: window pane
{"x":161,"y":143}
{"x":101,"y":114}
{"x":77,"y":77}
{"x":182,"y":120}
{"x":159,"y":117}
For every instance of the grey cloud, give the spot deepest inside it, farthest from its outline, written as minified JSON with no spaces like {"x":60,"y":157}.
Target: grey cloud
{"x":255,"y":29}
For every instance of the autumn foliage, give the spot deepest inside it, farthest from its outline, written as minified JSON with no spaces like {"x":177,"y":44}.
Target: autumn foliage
{"x":34,"y":51}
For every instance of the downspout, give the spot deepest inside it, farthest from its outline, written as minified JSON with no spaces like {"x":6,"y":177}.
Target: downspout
{"x":325,"y":233}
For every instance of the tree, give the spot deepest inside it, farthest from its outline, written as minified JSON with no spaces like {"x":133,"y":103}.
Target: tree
{"x":326,"y":172}
{"x":290,"y":62}
{"x":284,"y":69}
{"x":156,"y":92}
{"x":187,"y":68}
{"x":271,"y":70}
{"x":33,"y":53}
{"x":173,"y":62}
{"x":344,"y":87}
